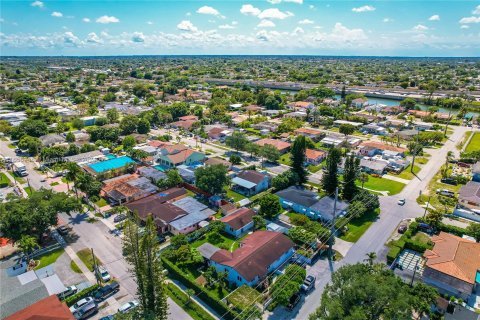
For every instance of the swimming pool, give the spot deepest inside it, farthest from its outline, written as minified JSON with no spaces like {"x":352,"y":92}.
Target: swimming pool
{"x":110,"y":156}
{"x":111,"y":164}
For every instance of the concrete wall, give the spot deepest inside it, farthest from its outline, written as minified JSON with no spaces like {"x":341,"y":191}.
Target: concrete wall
{"x":447,"y":283}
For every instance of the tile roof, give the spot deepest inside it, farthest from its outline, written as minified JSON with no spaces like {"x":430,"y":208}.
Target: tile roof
{"x":279,"y":144}
{"x":454,"y":256}
{"x":162,"y":212}
{"x":381,"y":146}
{"x":314,"y":154}
{"x":308,"y":131}
{"x":49,"y":308}
{"x":239,"y":218}
{"x":180,"y":156}
{"x":214,"y":161}
{"x":256,"y":253}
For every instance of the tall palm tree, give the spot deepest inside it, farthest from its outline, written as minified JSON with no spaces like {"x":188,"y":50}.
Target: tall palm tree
{"x":371,"y":256}
{"x":72,"y":174}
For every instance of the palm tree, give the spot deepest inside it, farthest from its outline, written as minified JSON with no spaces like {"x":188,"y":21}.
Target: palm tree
{"x":371,"y":256}
{"x":447,"y":161}
{"x":72,"y":173}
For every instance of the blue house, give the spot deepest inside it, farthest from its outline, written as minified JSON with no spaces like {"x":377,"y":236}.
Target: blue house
{"x":309,"y":203}
{"x":250,"y":182}
{"x":238,"y":222}
{"x":259,"y":254}
{"x":476,"y":172}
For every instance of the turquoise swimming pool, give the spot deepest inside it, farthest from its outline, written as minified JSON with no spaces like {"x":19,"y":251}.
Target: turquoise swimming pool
{"x":111,"y":164}
{"x":110,"y":156}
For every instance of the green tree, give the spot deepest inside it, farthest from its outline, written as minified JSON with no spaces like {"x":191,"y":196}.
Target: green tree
{"x":434,"y":218}
{"x":128,"y":124}
{"x":474,"y":230}
{"x":32,"y":144}
{"x":258,"y":222}
{"x":143,"y":126}
{"x":361,"y":291}
{"x":73,"y":170}
{"x":350,"y":174}
{"x":173,"y":179}
{"x":270,"y":153}
{"x":113,"y":115}
{"x":128,"y":142}
{"x":408,"y":103}
{"x":141,"y":252}
{"x":284,"y":180}
{"x":30,"y":127}
{"x":252,"y":148}
{"x":346,"y":129}
{"x":78,"y":123}
{"x":237,"y":141}
{"x":88,"y":184}
{"x":297,"y":151}
{"x":287,"y":285}
{"x":330,"y":176}
{"x":212,"y":179}
{"x":70,"y":137}
{"x":28,"y":244}
{"x":363,"y":177}
{"x":269,"y":206}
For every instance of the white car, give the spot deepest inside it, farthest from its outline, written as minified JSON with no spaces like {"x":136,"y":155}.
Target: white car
{"x":128,"y":306}
{"x":68,"y":292}
{"x":401,"y":202}
{"x":81,"y":304}
{"x":103,"y":274}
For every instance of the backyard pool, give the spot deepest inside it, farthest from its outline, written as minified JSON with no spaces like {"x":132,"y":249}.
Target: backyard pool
{"x":110,"y":156}
{"x":111,"y":164}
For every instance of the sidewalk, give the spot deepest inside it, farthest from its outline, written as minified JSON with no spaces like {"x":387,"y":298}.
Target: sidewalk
{"x":73,"y":255}
{"x":15,"y":183}
{"x":202,"y":304}
{"x":389,"y":177}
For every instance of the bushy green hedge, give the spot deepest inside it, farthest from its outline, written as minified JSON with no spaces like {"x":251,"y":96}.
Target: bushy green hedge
{"x":203,"y":294}
{"x":80,"y":295}
{"x":416,"y":246}
{"x":393,"y":253}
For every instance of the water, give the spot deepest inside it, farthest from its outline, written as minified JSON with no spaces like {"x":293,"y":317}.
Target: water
{"x":110,"y":156}
{"x":111,"y":164}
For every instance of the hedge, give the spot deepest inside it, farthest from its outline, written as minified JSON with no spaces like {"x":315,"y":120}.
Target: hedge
{"x":80,"y":295}
{"x":218,"y":306}
{"x":416,"y":246}
{"x":192,"y":308}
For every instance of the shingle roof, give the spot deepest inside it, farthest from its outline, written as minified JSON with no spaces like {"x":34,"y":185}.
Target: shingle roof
{"x":325,"y":206}
{"x":252,"y":176}
{"x":454,"y":256}
{"x":298,"y":195}
{"x":257,"y":252}
{"x":470,"y":192}
{"x":381,"y":146}
{"x":239,"y":218}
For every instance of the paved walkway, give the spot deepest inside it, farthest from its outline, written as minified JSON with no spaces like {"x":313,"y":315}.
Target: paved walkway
{"x":393,"y":178}
{"x":73,"y":255}
{"x":15,"y":183}
{"x":202,"y":304}
{"x":342,"y":246}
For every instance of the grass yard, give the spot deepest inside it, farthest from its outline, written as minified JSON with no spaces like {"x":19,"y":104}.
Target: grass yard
{"x":232,"y":194}
{"x":381,"y":184}
{"x":28,"y":190}
{"x":17,"y":178}
{"x":421,"y":237}
{"x":474,"y":143}
{"x":285,"y":159}
{"x":101,"y":202}
{"x":242,"y":297}
{"x":53,"y":184}
{"x":358,"y":226}
{"x":49,"y":258}
{"x":4,"y":181}
{"x":191,"y":307}
{"x":74,"y":267}
{"x":314,"y":169}
{"x":421,"y":160}
{"x":227,"y":243}
{"x":464,"y":140}
{"x":86,"y":256}
{"x":406,"y":174}
{"x":11,"y":146}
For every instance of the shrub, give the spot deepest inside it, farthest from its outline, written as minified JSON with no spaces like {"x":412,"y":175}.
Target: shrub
{"x":393,"y":253}
{"x":80,"y":295}
{"x":417,"y":246}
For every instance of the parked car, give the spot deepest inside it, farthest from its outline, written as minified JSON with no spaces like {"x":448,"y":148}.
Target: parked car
{"x":106,"y":291}
{"x":63,"y":230}
{"x":308,"y":284}
{"x":128,"y":306}
{"x":103,"y":274}
{"x":109,"y":317}
{"x":451,"y":181}
{"x":294,"y":300}
{"x":446,"y":193}
{"x":68,"y":292}
{"x":402,"y":228}
{"x":401,"y":202}
{"x":86,"y":312}
{"x":119,"y":217}
{"x":116,"y":232}
{"x":161,"y":238}
{"x":81,"y":304}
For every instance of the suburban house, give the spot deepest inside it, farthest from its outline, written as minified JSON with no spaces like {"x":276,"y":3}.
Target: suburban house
{"x":374,"y":129}
{"x":476,"y":172}
{"x":47,"y":308}
{"x":453,"y":265}
{"x":196,"y":218}
{"x":260,"y":253}
{"x":172,"y":155}
{"x":253,"y":108}
{"x":302,"y":105}
{"x":266,"y":126}
{"x":250,"y":182}
{"x":469,"y":195}
{"x":89,"y":121}
{"x":280,"y":145}
{"x":126,"y":188}
{"x":152,"y":174}
{"x":314,"y":157}
{"x":359,"y":102}
{"x":214,"y":161}
{"x":371,"y":148}
{"x":422,"y":126}
{"x":52,"y":139}
{"x":296,"y":114}
{"x":372,"y":165}
{"x":238,"y":222}
{"x":218,"y":133}
{"x":309,"y":203}
{"x":338,"y":123}
{"x":315,"y":135}
{"x":186,"y":124}
{"x":188,"y":118}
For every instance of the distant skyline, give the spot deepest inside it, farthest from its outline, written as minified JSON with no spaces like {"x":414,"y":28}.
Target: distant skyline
{"x":266,"y":27}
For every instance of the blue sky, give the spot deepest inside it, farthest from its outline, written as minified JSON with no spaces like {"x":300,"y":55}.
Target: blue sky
{"x":389,"y":27}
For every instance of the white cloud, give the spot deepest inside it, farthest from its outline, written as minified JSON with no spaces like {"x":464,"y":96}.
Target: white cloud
{"x":464,"y":26}
{"x":93,"y":38}
{"x":470,"y":20}
{"x":226,"y":26}
{"x":107,"y":19}
{"x":186,"y":25}
{"x":435,"y":17}
{"x":138,"y":37}
{"x":274,"y":1}
{"x":209,"y":10}
{"x":364,"y":9}
{"x":340,"y":32}
{"x":70,"y":38}
{"x":298,"y":31}
{"x":38,"y":4}
{"x":279,"y":1}
{"x":306,"y":21}
{"x":266,"y":24}
{"x":262,"y":35}
{"x":476,"y":10}
{"x":57,"y":14}
{"x":234,"y":23}
{"x":311,"y":6}
{"x":249,"y":10}
{"x":274,"y":13}
{"x":420,"y":28}
{"x":386,"y":20}
{"x":87,"y":20}
{"x":149,"y":22}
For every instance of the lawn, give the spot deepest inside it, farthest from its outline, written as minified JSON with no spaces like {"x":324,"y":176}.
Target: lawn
{"x":358,"y":226}
{"x":406,"y":174}
{"x":381,"y":184}
{"x":86,"y":256}
{"x":474,"y":143}
{"x":191,"y":307}
{"x":49,"y":258}
{"x":74,"y":267}
{"x":421,"y":160}
{"x":4,"y":181}
{"x":465,"y":139}
{"x":101,"y":202}
{"x":11,"y":146}
{"x":314,"y":169}
{"x":242,"y":297}
{"x":232,"y":194}
{"x":28,"y":190}
{"x":227,"y":243}
{"x":421,"y":237}
{"x":285,"y":159}
{"x":18,"y":178}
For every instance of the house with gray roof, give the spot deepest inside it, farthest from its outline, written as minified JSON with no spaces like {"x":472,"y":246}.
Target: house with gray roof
{"x":52,"y":139}
{"x":469,"y":195}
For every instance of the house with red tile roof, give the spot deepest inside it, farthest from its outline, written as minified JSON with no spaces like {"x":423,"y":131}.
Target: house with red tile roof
{"x":260,"y":253}
{"x":280,"y":145}
{"x":315,"y":135}
{"x":186,"y":124}
{"x":371,"y":148}
{"x":238,"y":222}
{"x":173,"y":155}
{"x":48,"y":308}
{"x":314,"y":157}
{"x":453,"y":265}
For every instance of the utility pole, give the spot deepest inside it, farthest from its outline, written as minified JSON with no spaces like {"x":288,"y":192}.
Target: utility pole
{"x":414,"y":271}
{"x":95,"y":267}
{"x":332,"y":228}
{"x":426,"y":207}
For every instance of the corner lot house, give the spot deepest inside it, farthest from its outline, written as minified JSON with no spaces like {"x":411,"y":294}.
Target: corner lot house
{"x":173,"y":155}
{"x":309,"y":203}
{"x":281,"y":146}
{"x":250,"y":182}
{"x":469,"y":195}
{"x":453,"y":265}
{"x":259,"y":254}
{"x":238,"y":222}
